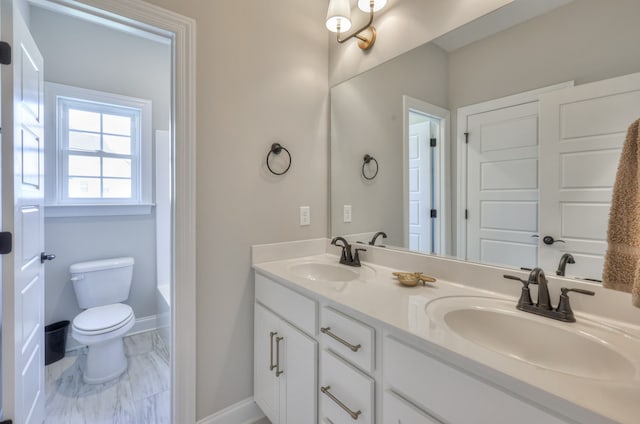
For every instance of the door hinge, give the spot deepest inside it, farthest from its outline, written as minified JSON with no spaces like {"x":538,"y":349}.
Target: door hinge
{"x":5,"y":56}
{"x":433,"y":142}
{"x":466,"y":214}
{"x":466,"y":138}
{"x":5,"y":245}
{"x":434,"y":213}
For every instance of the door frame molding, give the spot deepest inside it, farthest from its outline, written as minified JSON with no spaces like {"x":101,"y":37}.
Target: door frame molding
{"x":149,"y":18}
{"x":442,"y":171}
{"x":462,"y":115}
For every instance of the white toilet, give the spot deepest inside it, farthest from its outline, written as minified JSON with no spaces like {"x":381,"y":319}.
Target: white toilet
{"x":100,"y":286}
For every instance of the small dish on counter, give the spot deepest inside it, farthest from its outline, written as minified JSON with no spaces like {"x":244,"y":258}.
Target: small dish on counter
{"x":411,"y":279}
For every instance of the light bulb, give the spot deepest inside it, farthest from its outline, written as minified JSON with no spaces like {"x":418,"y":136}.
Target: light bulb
{"x":338,"y":16}
{"x":365,"y":5}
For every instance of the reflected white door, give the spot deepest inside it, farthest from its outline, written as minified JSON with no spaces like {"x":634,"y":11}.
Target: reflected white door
{"x":22,"y":214}
{"x":582,"y":132}
{"x":420,"y":185}
{"x":502,"y":186}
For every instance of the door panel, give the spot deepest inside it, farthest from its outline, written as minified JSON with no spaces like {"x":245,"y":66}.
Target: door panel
{"x":266,"y":385}
{"x":582,"y":132}
{"x":419,"y":187}
{"x":300,"y":377}
{"x":502,"y":186}
{"x":22,"y":202}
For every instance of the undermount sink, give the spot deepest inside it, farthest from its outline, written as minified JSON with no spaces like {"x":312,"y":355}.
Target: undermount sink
{"x":583,"y":349}
{"x":320,"y":271}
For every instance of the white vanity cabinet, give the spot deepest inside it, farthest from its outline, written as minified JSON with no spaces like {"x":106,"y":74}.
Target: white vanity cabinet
{"x":444,"y":393}
{"x":285,"y":358}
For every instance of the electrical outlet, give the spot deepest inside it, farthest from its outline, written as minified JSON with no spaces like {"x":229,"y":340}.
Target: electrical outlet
{"x":305,"y":215}
{"x":347,"y":213}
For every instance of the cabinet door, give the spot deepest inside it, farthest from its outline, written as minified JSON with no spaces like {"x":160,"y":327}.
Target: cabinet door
{"x":398,"y":411}
{"x":298,"y":403}
{"x":265,"y":383}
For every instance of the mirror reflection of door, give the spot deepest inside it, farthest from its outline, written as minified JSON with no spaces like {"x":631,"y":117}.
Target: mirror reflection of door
{"x":502,"y":186}
{"x":425,"y":135}
{"x":422,"y":129}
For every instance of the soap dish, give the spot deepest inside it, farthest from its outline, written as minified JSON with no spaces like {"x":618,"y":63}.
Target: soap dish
{"x":411,"y":279}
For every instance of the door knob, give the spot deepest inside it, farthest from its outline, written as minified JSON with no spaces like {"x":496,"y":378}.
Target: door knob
{"x":550,"y":240}
{"x":46,"y":257}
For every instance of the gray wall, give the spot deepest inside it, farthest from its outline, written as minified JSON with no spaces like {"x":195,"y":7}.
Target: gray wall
{"x":366,"y":117}
{"x":585,"y":41}
{"x":261,"y":77}
{"x":96,"y":57}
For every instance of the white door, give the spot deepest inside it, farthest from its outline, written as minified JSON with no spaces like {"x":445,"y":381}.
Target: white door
{"x":502,"y":186}
{"x":420,"y":184}
{"x":22,"y":214}
{"x":582,"y":132}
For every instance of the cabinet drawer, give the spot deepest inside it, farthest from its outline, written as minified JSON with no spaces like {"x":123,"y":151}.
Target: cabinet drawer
{"x":399,"y":411}
{"x":346,"y":385}
{"x":349,"y":338}
{"x":293,"y":307}
{"x":442,"y":389}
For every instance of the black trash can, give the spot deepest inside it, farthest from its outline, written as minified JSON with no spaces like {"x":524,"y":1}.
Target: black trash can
{"x":55,"y":341}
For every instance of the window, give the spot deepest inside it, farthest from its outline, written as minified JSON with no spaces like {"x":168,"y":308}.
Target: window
{"x":98,"y":152}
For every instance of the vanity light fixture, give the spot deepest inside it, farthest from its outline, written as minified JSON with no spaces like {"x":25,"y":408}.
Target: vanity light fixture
{"x":339,"y":21}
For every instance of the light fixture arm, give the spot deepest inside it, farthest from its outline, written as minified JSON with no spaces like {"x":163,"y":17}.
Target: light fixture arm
{"x":366,"y":34}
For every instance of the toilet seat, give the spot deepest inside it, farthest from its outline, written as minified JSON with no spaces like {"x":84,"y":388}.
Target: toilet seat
{"x":103,"y":319}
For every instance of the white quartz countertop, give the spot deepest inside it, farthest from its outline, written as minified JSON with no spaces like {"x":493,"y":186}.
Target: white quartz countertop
{"x":379,"y":296}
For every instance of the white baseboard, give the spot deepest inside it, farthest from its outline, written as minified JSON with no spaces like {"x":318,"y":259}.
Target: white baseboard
{"x":243,"y":412}
{"x":141,"y":325}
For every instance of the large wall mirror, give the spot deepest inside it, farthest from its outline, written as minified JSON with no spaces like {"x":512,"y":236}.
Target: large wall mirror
{"x":496,"y":143}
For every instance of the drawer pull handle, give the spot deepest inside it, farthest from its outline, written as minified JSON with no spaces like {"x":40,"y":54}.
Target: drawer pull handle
{"x":278,"y":372}
{"x":271,"y":364}
{"x":326,"y":391}
{"x":326,"y":330}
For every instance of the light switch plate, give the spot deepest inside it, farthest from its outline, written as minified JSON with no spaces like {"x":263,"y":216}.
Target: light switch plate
{"x":305,"y":215}
{"x":347,"y":213}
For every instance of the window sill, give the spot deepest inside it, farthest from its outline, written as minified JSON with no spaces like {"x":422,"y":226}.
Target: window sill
{"x":61,"y":211}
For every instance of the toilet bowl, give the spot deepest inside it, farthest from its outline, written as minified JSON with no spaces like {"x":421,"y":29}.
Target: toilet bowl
{"x":102,"y":329}
{"x":100,"y":287}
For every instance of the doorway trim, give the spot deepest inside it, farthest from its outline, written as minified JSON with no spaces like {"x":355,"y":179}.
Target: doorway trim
{"x":463,"y":115}
{"x":441,"y":172}
{"x":181,"y":30}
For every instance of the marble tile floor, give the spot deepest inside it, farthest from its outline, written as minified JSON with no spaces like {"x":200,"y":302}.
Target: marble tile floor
{"x":139,"y":396}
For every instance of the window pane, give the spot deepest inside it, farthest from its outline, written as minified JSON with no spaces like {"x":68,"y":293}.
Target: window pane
{"x":84,"y":141}
{"x":86,"y":166}
{"x":112,"y":167}
{"x":83,"y":120}
{"x":117,"y":144}
{"x":114,"y":124}
{"x":84,"y":187}
{"x":116,"y":188}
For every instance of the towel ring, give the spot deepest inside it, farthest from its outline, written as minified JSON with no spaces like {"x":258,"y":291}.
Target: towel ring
{"x":367,"y":159}
{"x":277,"y":148}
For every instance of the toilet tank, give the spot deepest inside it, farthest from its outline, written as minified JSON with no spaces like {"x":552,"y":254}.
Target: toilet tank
{"x":102,"y":282}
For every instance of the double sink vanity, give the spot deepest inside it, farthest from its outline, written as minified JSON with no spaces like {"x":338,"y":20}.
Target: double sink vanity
{"x":342,"y":344}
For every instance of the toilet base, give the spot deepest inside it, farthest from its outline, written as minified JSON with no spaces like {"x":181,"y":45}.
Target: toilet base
{"x":105,"y":361}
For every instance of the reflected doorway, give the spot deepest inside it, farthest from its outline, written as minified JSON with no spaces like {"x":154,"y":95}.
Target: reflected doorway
{"x":424,"y":145}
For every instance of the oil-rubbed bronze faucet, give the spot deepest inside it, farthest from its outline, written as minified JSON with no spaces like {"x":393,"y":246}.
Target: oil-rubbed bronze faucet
{"x":348,"y":258}
{"x":567,"y":258}
{"x":375,"y":237}
{"x":544,"y":308}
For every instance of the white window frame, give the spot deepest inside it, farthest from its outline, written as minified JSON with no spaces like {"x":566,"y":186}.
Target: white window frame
{"x":57,"y":202}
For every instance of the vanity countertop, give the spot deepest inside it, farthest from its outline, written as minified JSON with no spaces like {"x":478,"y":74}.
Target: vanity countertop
{"x":378,"y":297}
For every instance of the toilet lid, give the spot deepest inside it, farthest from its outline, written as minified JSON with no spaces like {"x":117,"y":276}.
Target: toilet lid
{"x":103,"y":318}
